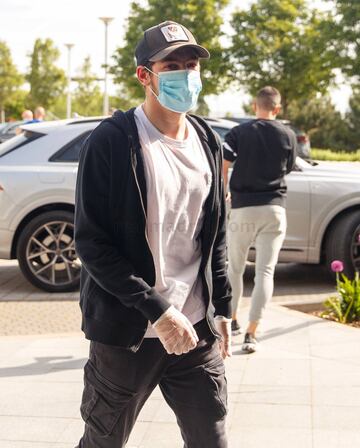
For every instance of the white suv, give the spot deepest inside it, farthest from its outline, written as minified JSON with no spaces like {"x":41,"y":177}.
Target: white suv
{"x":37,"y":192}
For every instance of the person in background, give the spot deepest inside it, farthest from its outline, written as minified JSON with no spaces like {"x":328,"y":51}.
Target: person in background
{"x":39,"y":114}
{"x":38,"y":117}
{"x":150,"y":233}
{"x":262,"y":152}
{"x":27,"y":116}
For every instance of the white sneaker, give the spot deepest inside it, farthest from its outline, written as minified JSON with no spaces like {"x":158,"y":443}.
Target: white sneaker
{"x":250,"y":344}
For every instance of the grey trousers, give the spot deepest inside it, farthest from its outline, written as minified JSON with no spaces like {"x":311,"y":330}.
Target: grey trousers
{"x":118,"y":383}
{"x":265,"y":227}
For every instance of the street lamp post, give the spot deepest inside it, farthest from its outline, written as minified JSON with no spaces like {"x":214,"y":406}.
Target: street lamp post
{"x":68,"y":98}
{"x":106,"y":21}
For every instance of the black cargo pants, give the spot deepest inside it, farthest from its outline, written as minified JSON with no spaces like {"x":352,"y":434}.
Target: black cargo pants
{"x":118,"y":382}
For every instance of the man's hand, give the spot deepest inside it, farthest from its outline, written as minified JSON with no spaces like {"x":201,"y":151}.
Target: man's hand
{"x":228,"y":197}
{"x":175,"y":332}
{"x":223,"y":326}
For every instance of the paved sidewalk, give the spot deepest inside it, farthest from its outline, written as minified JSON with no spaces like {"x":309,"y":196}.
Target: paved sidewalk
{"x":26,"y":310}
{"x":302,"y":390}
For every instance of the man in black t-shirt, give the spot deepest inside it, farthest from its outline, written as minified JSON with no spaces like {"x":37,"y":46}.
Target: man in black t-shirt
{"x":262,"y":151}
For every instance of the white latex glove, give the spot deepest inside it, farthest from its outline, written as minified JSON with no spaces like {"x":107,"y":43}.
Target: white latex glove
{"x":175,"y":332}
{"x":223,"y":326}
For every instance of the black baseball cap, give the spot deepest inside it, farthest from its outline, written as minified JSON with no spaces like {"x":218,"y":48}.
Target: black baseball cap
{"x":161,"y":40}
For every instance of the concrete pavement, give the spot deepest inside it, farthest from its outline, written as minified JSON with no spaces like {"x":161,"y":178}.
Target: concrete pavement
{"x":26,"y":310}
{"x":301,"y":390}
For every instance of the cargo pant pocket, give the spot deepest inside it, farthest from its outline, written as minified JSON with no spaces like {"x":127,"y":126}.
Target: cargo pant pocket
{"x":215,"y":381}
{"x":102,"y":402}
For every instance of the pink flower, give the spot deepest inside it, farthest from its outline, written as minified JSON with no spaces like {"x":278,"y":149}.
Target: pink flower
{"x":337,"y":266}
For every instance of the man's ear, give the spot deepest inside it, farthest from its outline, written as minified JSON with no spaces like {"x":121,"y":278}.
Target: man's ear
{"x":254,"y":107}
{"x":143,"y":75}
{"x":277,"y":109}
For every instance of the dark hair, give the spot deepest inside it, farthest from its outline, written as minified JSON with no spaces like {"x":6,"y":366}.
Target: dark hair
{"x":268,"y":97}
{"x":149,"y":64}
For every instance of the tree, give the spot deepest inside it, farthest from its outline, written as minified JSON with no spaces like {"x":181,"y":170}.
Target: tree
{"x":353,"y":118}
{"x":87,"y":96}
{"x":322,"y":122}
{"x":47,"y":81}
{"x":284,"y":44}
{"x":10,"y":79}
{"x":202,"y":17}
{"x":15,"y":106}
{"x":348,"y":35}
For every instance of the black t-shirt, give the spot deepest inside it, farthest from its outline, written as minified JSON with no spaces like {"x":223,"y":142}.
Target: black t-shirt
{"x":263,"y":152}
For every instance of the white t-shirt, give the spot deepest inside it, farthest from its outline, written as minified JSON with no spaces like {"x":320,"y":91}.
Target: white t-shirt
{"x":178,"y":179}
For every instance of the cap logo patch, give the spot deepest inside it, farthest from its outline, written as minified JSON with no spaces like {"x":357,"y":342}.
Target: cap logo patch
{"x":172,"y":33}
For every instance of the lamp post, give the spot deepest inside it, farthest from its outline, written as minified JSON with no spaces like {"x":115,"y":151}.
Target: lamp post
{"x":68,"y":98}
{"x":106,"y":21}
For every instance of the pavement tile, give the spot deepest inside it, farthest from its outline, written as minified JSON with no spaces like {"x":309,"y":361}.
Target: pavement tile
{"x":28,"y":429}
{"x":150,"y":409}
{"x":284,"y":395}
{"x":266,"y":415}
{"x":40,"y":400}
{"x":34,"y":444}
{"x":72,"y":432}
{"x":162,"y":435}
{"x":138,"y":434}
{"x":339,"y":417}
{"x":277,"y":372}
{"x":270,"y":438}
{"x":336,"y":438}
{"x":336,"y":396}
{"x":301,"y":390}
{"x":333,"y":373}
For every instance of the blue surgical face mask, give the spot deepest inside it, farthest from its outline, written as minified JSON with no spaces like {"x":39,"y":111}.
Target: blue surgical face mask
{"x":178,"y":89}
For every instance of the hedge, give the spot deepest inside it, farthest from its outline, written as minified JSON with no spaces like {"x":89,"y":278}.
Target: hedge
{"x":336,"y":156}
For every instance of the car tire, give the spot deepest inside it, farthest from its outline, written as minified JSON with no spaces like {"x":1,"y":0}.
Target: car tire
{"x":343,"y":243}
{"x":46,"y":252}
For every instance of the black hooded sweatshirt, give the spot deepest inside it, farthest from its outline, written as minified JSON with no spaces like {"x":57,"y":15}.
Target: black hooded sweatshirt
{"x":117,"y":295}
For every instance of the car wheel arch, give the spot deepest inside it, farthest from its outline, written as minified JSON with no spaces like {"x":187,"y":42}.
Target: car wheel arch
{"x":331,"y":224}
{"x":58,"y":206}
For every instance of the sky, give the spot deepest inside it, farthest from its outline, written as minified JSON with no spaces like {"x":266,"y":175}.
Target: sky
{"x":76,"y":21}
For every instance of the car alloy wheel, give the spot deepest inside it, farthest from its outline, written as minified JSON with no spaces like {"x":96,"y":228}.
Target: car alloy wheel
{"x":46,"y":252}
{"x":50,"y":253}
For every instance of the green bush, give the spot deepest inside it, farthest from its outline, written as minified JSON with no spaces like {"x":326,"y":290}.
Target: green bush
{"x":345,"y":307}
{"x":336,"y":156}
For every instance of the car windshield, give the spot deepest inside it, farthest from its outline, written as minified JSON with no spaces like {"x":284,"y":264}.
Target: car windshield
{"x":18,"y":141}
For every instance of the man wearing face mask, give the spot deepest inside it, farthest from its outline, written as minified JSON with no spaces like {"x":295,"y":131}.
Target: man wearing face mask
{"x":150,"y":232}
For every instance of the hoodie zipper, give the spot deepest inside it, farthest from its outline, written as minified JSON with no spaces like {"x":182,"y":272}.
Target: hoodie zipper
{"x":141,"y":200}
{"x":216,"y":334}
{"x":135,"y":347}
{"x":213,"y":168}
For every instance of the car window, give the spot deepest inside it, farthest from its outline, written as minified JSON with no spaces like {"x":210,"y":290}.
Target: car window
{"x":71,"y":151}
{"x":11,"y":129}
{"x":19,"y":140}
{"x":221,"y":131}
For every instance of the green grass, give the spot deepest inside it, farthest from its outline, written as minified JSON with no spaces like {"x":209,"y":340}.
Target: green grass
{"x":336,"y":156}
